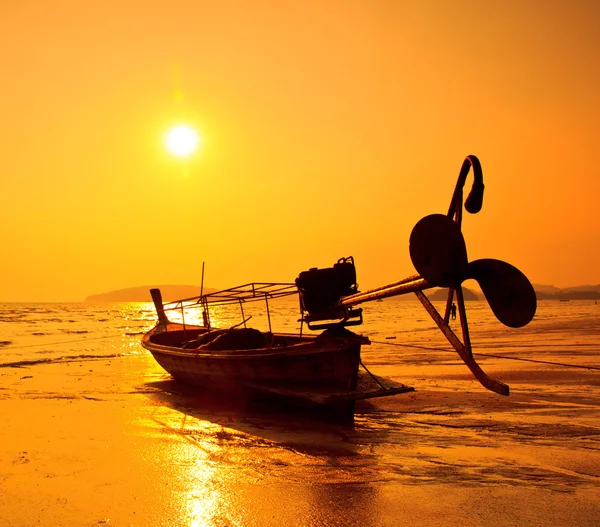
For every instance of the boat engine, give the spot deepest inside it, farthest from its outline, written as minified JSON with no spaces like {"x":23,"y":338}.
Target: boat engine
{"x":321,"y":290}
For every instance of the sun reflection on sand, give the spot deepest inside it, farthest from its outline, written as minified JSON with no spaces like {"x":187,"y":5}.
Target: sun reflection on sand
{"x":211,"y":464}
{"x":203,"y":502}
{"x":189,"y":458}
{"x":223,"y":457}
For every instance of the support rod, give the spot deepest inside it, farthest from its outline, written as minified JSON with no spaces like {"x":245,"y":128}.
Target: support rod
{"x":401,"y":287}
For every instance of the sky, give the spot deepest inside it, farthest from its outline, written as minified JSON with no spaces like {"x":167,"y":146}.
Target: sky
{"x":328,"y":129}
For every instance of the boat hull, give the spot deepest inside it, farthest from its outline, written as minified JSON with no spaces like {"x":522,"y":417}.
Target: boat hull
{"x":294,"y":362}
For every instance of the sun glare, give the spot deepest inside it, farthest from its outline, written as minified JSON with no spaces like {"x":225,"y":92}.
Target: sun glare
{"x":182,"y":140}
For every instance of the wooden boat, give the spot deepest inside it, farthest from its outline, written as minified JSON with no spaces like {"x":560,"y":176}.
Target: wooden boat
{"x":279,"y":358}
{"x":324,"y":369}
{"x":316,"y":369}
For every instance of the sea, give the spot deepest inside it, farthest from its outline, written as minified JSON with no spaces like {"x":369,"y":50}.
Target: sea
{"x":37,"y":333}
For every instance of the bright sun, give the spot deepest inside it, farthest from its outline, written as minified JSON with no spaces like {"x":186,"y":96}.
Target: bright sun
{"x":182,"y":140}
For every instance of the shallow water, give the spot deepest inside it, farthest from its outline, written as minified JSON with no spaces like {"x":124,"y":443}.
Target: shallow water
{"x":48,"y":331}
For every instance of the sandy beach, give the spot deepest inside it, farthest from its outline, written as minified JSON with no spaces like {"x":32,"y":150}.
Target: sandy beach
{"x":115,"y":442}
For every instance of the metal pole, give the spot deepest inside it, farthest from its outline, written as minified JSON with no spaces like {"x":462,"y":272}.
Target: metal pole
{"x":242,"y":310}
{"x":401,"y":287}
{"x":268,"y":313}
{"x":202,"y":282}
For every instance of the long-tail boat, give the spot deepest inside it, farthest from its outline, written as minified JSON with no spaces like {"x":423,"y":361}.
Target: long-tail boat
{"x":324,"y":368}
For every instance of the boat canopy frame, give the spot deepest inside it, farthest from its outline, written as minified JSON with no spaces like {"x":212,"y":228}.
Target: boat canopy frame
{"x":250,"y":292}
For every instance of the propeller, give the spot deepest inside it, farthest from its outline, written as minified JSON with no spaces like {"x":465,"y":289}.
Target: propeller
{"x":507,"y":290}
{"x":438,"y":251}
{"x":439,"y":254}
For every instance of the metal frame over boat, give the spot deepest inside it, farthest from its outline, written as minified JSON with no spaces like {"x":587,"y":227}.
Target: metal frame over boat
{"x":324,"y":369}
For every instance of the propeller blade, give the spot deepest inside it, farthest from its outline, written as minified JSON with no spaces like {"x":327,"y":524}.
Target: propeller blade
{"x":438,"y":251}
{"x":508,"y":291}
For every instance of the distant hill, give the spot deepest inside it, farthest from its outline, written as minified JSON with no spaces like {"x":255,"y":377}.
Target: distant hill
{"x":442,"y":294}
{"x":550,"y":289}
{"x":543,"y":292}
{"x":437,"y":294}
{"x":580,"y":292}
{"x":579,"y":288}
{"x":142,"y":293}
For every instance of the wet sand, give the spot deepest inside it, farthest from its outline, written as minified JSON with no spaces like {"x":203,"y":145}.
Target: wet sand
{"x":115,"y":442}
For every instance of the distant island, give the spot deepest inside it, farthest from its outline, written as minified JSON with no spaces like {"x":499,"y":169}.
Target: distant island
{"x":542,"y":292}
{"x":176,"y":292}
{"x":581,"y":292}
{"x":442,"y":294}
{"x":142,"y":293}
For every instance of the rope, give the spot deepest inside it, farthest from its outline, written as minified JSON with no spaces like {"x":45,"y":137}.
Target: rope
{"x":490,"y":355}
{"x":372,"y":376}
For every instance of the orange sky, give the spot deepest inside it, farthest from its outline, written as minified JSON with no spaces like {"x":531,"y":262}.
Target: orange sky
{"x":329,"y":127}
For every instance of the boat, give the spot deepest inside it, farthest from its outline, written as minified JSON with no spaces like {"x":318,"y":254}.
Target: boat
{"x":309,"y":369}
{"x":325,"y":368}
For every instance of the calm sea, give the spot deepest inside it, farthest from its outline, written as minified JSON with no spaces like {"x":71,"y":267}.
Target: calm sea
{"x":44,"y":332}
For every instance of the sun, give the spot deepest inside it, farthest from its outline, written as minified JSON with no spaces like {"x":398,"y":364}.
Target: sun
{"x":182,"y":140}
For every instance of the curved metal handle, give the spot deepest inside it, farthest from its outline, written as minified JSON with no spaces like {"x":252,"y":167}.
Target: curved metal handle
{"x":474,"y":201}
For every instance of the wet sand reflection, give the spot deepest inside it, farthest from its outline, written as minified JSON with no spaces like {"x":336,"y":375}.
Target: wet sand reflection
{"x":245,"y":452}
